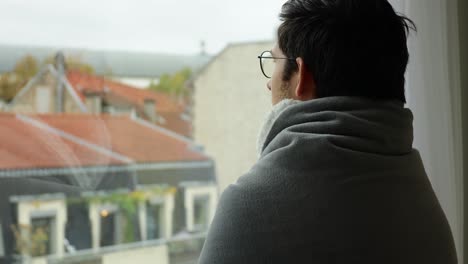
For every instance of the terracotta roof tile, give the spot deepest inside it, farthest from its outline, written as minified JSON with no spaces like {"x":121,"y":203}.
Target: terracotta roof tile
{"x":166,"y":107}
{"x":25,"y":146}
{"x":122,"y":135}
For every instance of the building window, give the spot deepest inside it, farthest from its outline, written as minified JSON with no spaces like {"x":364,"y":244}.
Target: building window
{"x":201,"y":212}
{"x":109,"y":228}
{"x":40,"y":225}
{"x":41,"y":236}
{"x":200,"y":205}
{"x":154,"y":221}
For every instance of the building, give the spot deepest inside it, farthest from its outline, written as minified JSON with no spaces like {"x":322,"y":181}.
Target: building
{"x":107,"y":96}
{"x":231,"y":101}
{"x":104,"y":188}
{"x":54,"y":90}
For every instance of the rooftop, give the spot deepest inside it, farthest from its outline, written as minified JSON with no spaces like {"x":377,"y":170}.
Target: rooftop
{"x":82,"y":140}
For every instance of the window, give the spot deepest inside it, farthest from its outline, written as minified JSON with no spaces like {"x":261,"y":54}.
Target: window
{"x":154,"y":221}
{"x":109,"y":228}
{"x":42,"y":233}
{"x":208,"y":100}
{"x":201,"y":212}
{"x":39,"y":229}
{"x":157,"y":217}
{"x":103,"y":131}
{"x":200,"y":205}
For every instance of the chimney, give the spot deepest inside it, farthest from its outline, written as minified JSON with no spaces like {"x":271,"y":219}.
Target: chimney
{"x":60,"y":98}
{"x":150,"y":109}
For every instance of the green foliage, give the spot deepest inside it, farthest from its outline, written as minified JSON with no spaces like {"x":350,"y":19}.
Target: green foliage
{"x":173,"y":84}
{"x":12,"y":82}
{"x":27,"y":67}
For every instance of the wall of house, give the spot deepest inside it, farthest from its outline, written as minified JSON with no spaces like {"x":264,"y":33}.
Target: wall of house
{"x":230,"y":103}
{"x":140,"y":252}
{"x":175,"y":176}
{"x":70,"y":105}
{"x":158,"y":255}
{"x":28,"y":102}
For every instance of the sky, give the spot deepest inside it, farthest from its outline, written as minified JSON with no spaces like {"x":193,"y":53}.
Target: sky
{"x":168,"y":26}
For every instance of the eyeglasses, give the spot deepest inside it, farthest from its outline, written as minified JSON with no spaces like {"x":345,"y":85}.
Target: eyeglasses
{"x":267,"y":63}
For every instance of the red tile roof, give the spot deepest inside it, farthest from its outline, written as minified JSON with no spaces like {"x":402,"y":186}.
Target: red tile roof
{"x":25,"y":146}
{"x":121,"y":134}
{"x":166,"y":107}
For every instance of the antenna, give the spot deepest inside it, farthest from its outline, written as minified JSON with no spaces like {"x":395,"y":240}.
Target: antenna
{"x":202,"y":48}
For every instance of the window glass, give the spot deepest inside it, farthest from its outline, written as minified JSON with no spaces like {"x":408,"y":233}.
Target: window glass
{"x":99,"y":127}
{"x":201,"y":217}
{"x":154,"y":220}
{"x":108,"y":228}
{"x":41,"y":236}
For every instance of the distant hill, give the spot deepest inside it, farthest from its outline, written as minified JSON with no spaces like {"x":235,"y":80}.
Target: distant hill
{"x":119,"y":63}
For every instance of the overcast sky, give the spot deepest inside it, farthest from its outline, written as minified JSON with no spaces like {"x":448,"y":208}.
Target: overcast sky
{"x":173,"y":26}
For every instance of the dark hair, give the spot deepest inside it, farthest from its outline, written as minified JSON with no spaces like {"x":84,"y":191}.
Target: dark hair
{"x":351,"y":47}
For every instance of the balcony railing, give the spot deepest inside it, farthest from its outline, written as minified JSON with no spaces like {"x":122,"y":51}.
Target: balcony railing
{"x":181,"y":249}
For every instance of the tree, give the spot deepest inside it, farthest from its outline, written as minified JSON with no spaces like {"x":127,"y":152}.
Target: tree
{"x":27,"y":67}
{"x":173,"y":84}
{"x":12,"y":82}
{"x":74,"y":62}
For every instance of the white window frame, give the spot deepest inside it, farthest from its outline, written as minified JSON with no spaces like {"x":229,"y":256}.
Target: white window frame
{"x":167,"y":202}
{"x":95,"y":219}
{"x":57,"y":209}
{"x":191,"y":193}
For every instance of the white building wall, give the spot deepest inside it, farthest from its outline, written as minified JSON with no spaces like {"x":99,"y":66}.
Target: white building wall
{"x":231,"y":101}
{"x":143,"y":255}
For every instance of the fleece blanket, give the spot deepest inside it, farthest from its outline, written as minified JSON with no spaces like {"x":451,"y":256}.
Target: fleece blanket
{"x":337,"y":181}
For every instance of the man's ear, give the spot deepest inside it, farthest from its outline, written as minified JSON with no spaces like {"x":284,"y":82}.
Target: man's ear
{"x":305,"y":88}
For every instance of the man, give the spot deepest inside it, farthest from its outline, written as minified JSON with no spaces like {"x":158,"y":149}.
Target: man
{"x":337,"y":180}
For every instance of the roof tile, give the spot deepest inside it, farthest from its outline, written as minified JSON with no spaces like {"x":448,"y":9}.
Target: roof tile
{"x":170,"y":110}
{"x":126,"y":137}
{"x":24,"y":146}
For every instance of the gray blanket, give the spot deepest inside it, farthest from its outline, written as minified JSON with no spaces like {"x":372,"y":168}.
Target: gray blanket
{"x":337,"y":182}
